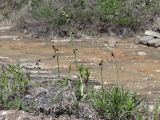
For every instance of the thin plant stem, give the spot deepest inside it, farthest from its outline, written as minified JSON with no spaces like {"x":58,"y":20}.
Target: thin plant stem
{"x":58,"y":65}
{"x":56,"y":51}
{"x":102,"y":76}
{"x":117,"y":71}
{"x":75,"y":56}
{"x":71,"y":38}
{"x":101,"y":65}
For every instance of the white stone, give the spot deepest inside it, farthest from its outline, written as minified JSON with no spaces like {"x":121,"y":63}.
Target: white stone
{"x":5,"y":28}
{"x":152,"y":33}
{"x":9,"y":37}
{"x":157,"y":71}
{"x":142,"y":53}
{"x":97,"y":87}
{"x":16,"y":115}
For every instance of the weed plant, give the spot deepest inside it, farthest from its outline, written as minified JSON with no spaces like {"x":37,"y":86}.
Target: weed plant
{"x":101,"y":65}
{"x":117,"y":104}
{"x":56,"y":54}
{"x":13,"y":85}
{"x":83,"y":78}
{"x":117,"y":72}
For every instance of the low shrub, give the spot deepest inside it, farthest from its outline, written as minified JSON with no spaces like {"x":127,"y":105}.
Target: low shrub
{"x":77,"y":11}
{"x":89,"y":16}
{"x":13,"y":85}
{"x":45,"y":11}
{"x":117,"y":104}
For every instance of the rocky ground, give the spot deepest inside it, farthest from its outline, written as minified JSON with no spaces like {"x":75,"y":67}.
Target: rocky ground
{"x":137,"y":64}
{"x":49,"y":98}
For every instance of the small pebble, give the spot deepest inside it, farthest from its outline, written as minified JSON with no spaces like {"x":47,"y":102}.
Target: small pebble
{"x":142,"y":53}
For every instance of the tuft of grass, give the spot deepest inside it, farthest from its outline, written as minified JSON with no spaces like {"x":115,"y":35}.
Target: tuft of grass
{"x":83,"y":78}
{"x":117,"y":104}
{"x":47,"y":12}
{"x":13,"y":85}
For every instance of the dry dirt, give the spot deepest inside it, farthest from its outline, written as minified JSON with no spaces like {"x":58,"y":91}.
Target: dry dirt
{"x":135,"y":70}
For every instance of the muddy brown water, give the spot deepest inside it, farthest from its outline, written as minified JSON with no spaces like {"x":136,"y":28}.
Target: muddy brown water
{"x":140,"y":73}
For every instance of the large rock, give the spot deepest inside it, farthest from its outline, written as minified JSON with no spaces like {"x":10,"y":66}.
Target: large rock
{"x":144,"y":39}
{"x":152,"y":33}
{"x":154,"y":42}
{"x":150,"y":38}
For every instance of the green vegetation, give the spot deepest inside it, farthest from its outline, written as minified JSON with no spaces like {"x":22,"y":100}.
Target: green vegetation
{"x":13,"y":85}
{"x":121,"y":12}
{"x":116,"y":11}
{"x":87,"y":15}
{"x":83,"y":78}
{"x":8,"y":6}
{"x":45,"y":11}
{"x":117,"y":104}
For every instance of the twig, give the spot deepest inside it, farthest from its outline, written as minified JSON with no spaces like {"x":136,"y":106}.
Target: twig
{"x":101,"y":65}
{"x":75,"y":55}
{"x":112,"y":54}
{"x":56,"y":51}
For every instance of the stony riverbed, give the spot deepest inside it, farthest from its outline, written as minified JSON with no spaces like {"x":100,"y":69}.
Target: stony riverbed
{"x":135,"y":66}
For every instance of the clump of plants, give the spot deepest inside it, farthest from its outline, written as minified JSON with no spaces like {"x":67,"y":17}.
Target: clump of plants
{"x":83,"y":75}
{"x":116,"y":12}
{"x":14,"y":85}
{"x":56,"y":54}
{"x":117,"y":104}
{"x":47,"y":12}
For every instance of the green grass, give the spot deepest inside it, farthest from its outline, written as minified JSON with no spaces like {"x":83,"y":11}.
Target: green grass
{"x":83,"y":77}
{"x":119,"y":12}
{"x":13,"y":85}
{"x":82,"y":14}
{"x":117,"y":104}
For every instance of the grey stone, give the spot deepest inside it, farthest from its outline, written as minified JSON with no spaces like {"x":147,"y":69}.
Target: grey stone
{"x":154,"y":42}
{"x":41,"y":72}
{"x":5,"y":28}
{"x":144,"y":39}
{"x":38,"y":76}
{"x":32,"y":65}
{"x":9,"y":37}
{"x":141,"y":53}
{"x":152,"y":33}
{"x":158,"y":22}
